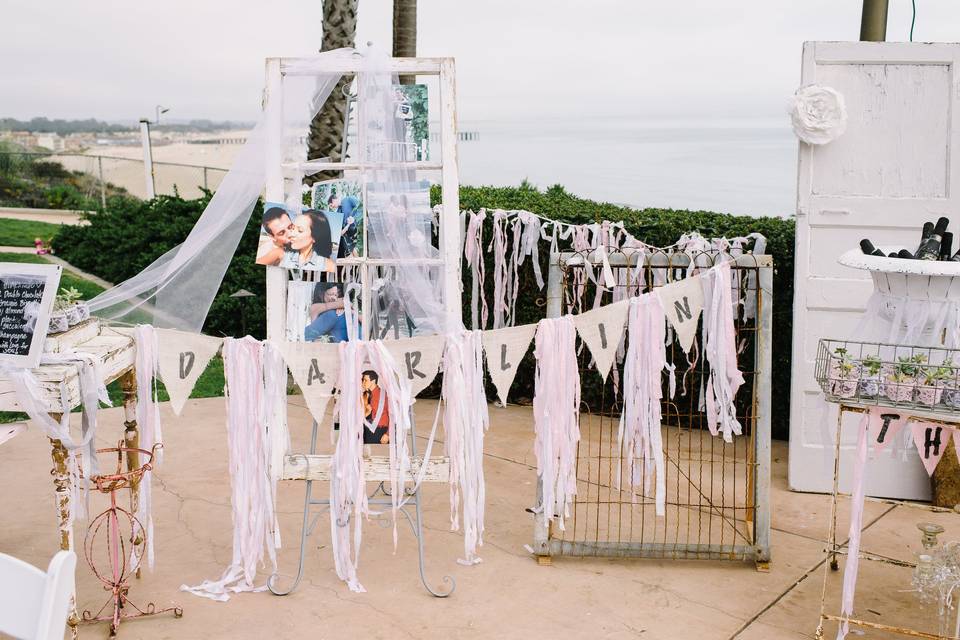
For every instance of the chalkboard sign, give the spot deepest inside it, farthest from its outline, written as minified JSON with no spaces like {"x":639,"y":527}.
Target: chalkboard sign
{"x":26,"y":296}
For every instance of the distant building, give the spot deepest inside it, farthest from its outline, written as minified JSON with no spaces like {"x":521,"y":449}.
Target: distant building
{"x":51,"y":141}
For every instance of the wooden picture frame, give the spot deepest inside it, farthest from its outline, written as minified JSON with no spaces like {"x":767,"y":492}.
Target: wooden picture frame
{"x":17,"y":348}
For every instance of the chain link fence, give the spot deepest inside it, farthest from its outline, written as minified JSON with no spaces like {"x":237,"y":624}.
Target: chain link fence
{"x":98,"y":177}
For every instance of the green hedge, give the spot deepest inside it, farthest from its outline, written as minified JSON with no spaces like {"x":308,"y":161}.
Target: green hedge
{"x":130,"y":234}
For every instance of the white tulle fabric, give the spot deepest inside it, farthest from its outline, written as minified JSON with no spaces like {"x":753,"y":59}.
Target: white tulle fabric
{"x":465,"y":420}
{"x":177,"y":289}
{"x":904,"y":319}
{"x":148,"y":422}
{"x":252,"y":492}
{"x":556,"y":415}
{"x":29,"y":395}
{"x":639,"y":436}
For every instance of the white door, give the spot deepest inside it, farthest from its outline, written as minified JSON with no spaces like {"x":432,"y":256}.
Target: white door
{"x":883,"y":178}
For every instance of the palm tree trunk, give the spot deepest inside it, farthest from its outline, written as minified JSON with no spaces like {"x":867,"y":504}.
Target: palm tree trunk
{"x":326,"y":131}
{"x":405,"y":33}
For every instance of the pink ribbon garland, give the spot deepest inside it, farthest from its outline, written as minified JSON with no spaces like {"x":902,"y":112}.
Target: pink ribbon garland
{"x":473,"y":251}
{"x":465,"y":420}
{"x":556,"y":414}
{"x":639,"y":435}
{"x":719,"y":345}
{"x":852,"y":565}
{"x":254,"y":510}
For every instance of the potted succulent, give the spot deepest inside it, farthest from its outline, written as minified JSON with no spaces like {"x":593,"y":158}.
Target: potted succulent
{"x":951,"y":394}
{"x":930,"y":384}
{"x":844,"y":374}
{"x":900,"y":383}
{"x":870,"y":377}
{"x":66,"y":311}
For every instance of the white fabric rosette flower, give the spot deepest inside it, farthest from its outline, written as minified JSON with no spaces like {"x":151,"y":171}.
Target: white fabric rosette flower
{"x":818,"y":114}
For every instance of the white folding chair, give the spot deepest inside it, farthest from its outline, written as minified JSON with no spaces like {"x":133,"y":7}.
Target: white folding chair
{"x":34,"y":605}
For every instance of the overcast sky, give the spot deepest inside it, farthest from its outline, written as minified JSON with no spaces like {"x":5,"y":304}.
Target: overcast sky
{"x":516,"y":59}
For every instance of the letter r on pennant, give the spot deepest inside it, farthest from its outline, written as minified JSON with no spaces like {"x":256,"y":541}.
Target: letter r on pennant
{"x":413,"y":359}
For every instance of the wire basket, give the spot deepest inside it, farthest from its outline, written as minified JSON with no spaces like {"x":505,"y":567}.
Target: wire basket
{"x":875,"y":373}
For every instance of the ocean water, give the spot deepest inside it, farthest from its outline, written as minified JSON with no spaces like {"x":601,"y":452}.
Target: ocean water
{"x":745,"y":167}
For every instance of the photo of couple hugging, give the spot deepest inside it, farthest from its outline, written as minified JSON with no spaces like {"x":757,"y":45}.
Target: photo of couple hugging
{"x":313,"y":239}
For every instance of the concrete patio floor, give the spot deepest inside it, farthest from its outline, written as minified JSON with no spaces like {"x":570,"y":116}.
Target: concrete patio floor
{"x":507,"y":596}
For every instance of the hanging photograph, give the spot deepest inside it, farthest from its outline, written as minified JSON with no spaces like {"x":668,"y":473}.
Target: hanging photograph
{"x":315,"y":312}
{"x":400,"y":221}
{"x":411,"y":107}
{"x":304,"y":241}
{"x":376,"y":415}
{"x":341,"y":201}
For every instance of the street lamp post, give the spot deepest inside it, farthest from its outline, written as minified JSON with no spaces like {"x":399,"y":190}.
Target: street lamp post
{"x":243,"y":295}
{"x":148,"y":151}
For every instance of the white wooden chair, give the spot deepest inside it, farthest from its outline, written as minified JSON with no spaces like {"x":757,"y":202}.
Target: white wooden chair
{"x":34,"y":604}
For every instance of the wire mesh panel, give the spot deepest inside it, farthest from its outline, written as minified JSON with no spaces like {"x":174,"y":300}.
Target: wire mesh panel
{"x":716,"y":492}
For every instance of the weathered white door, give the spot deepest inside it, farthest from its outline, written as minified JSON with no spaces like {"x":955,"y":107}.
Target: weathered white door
{"x":890,"y":171}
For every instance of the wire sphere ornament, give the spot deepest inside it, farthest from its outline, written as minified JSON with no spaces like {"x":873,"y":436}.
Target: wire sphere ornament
{"x":116,"y":540}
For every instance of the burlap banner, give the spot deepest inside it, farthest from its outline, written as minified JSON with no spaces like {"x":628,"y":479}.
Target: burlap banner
{"x":315,"y":367}
{"x":683,"y":302}
{"x":505,"y":349}
{"x":602,"y":329}
{"x":181,"y":358}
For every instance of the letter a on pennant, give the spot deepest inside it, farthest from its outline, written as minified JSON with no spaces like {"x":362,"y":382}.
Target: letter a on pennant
{"x":602,"y":329}
{"x":418,"y":359}
{"x":505,"y":349}
{"x":181,"y":358}
{"x":315,"y":367}
{"x":682,"y":302}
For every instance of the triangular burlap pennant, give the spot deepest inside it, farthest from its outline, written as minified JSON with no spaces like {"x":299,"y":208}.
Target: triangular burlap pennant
{"x":931,"y":440}
{"x":505,"y":349}
{"x":683,"y":302}
{"x":601,"y":329}
{"x":418,"y":359}
{"x":315,"y":367}
{"x":181,"y":358}
{"x":884,"y":426}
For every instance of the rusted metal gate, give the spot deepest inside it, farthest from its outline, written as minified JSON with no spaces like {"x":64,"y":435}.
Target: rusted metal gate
{"x":717,"y":504}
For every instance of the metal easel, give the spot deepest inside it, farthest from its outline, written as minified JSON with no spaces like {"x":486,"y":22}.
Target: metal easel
{"x":310,"y":523}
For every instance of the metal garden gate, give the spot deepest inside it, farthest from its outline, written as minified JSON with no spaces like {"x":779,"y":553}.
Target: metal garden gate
{"x":717,"y":504}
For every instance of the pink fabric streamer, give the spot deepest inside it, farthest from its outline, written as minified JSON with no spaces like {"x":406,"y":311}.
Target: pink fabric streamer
{"x":348,"y":492}
{"x":465,"y":420}
{"x":254,"y":511}
{"x":473,"y":251}
{"x":639,"y":436}
{"x":856,"y":524}
{"x":348,"y":496}
{"x":719,"y":345}
{"x":148,"y":421}
{"x":556,"y":414}
{"x":501,"y":275}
